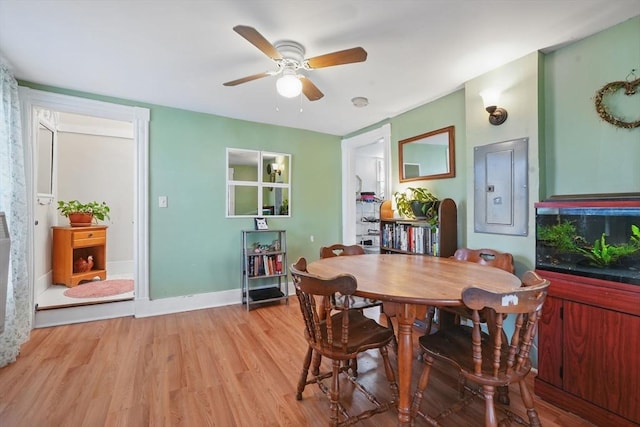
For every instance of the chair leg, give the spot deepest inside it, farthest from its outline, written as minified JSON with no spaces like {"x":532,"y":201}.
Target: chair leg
{"x":422,"y":385}
{"x":315,"y":368}
{"x":390,"y":326}
{"x":490,"y":419}
{"x":431,"y":312}
{"x":351,"y":364}
{"x":462,"y":381}
{"x":334,"y":394}
{"x":527,"y":399}
{"x":303,"y":376}
{"x":391,"y":376}
{"x":503,"y":395}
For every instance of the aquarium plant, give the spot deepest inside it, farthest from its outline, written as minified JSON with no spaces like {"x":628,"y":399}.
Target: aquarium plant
{"x":561,"y":236}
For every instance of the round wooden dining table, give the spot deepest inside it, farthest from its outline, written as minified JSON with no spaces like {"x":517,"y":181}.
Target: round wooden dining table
{"x":410,"y":281}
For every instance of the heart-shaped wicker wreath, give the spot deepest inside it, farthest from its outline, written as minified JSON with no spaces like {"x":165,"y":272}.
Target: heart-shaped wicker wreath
{"x":630,"y":88}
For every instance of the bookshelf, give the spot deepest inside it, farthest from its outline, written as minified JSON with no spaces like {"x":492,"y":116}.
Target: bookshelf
{"x":418,"y":237}
{"x":264,"y":267}
{"x":368,"y":225}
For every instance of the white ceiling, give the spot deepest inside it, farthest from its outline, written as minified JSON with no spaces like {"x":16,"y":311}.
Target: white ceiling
{"x":179,"y":52}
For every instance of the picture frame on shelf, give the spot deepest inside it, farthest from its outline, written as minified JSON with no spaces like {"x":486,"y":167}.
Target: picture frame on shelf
{"x":261,"y":224}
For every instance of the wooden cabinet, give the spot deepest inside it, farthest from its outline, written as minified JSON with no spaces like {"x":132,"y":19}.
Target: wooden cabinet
{"x":72,"y":243}
{"x":589,"y":349}
{"x":264,"y":267}
{"x":418,"y":237}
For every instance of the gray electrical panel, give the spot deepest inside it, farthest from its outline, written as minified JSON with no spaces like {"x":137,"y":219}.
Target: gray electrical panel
{"x":501,"y":192}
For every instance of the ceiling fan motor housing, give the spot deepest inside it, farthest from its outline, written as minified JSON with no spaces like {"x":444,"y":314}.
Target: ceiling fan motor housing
{"x":292,"y":52}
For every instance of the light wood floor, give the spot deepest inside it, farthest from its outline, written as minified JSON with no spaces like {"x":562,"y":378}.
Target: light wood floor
{"x":216,"y":367}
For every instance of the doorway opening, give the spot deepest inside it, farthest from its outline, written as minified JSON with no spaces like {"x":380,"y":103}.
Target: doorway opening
{"x":109,"y":160}
{"x":366,"y":168}
{"x":93,"y":160}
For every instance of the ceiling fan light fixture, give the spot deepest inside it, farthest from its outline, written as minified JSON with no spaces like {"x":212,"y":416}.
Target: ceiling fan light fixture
{"x":289,"y":85}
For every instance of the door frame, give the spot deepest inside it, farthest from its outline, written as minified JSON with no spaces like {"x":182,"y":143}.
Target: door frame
{"x":31,"y":98}
{"x":349,"y":146}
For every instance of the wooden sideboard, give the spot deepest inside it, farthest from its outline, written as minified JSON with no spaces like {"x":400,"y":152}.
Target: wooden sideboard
{"x":72,"y":243}
{"x":589,"y":349}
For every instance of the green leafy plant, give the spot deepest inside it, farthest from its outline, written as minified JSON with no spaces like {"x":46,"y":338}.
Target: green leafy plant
{"x":602,"y":254}
{"x":404,"y":200}
{"x":284,"y":207}
{"x":635,"y":236}
{"x":562,"y":236}
{"x":99,"y":210}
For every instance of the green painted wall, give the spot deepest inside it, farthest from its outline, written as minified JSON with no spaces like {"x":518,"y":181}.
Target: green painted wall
{"x":585,"y":154}
{"x":443,"y":112}
{"x":193,"y":247}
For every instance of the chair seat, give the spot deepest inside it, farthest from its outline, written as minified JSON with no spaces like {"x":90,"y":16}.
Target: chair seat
{"x":455,"y":346}
{"x":364,"y":333}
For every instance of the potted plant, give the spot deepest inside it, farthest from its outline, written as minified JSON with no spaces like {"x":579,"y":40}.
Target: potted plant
{"x":417,"y":203}
{"x":83,"y":214}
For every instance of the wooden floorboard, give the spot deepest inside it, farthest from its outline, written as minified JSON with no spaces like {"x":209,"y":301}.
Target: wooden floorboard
{"x":216,"y":367}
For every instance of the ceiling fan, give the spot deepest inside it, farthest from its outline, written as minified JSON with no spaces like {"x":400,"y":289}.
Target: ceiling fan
{"x":289,"y":58}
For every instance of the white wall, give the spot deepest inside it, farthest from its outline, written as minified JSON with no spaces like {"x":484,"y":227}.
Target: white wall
{"x":101,"y":168}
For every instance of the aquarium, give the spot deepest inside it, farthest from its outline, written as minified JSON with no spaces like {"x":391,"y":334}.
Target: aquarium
{"x":595,"y":237}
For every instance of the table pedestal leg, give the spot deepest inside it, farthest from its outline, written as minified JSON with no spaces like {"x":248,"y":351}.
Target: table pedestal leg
{"x":406,"y":316}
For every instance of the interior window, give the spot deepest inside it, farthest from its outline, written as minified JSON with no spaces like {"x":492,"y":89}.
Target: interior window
{"x":258,"y":183}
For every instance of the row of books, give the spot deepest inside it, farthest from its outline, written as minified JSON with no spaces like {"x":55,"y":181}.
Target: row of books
{"x":411,"y":238}
{"x":264,"y":265}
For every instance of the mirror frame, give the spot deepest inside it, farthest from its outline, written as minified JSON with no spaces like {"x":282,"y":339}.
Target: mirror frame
{"x":266,"y":187}
{"x":450,"y":130}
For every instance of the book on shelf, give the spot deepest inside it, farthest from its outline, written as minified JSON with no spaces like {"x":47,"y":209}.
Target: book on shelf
{"x":411,"y":238}
{"x":264,"y":265}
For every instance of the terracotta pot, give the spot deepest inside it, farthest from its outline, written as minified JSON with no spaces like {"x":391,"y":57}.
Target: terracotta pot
{"x":80,"y":219}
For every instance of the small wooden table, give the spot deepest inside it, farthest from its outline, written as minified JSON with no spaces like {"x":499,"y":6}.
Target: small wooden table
{"x":411,"y":280}
{"x":71,"y":243}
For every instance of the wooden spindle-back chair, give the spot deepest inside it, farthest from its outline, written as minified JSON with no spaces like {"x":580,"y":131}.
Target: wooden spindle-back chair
{"x":489,"y":360}
{"x":340,"y":334}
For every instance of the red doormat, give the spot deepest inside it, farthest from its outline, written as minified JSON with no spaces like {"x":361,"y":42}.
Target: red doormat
{"x":103,"y":288}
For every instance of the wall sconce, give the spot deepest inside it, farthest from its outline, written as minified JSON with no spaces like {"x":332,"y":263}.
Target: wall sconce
{"x":274,"y":169}
{"x":497,"y":115}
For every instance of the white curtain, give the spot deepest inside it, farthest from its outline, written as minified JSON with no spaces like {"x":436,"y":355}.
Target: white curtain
{"x":13,"y":201}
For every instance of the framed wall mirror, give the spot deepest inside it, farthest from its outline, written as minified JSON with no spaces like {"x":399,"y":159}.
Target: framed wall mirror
{"x":430,"y":155}
{"x":258,"y":183}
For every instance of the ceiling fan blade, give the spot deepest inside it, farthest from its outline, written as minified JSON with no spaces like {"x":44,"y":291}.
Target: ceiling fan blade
{"x":310,"y":90}
{"x":247,"y":79}
{"x":255,"y":38}
{"x":347,"y":56}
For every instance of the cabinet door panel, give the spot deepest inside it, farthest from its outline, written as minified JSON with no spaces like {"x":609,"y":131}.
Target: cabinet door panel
{"x":601,"y":357}
{"x":550,"y":342}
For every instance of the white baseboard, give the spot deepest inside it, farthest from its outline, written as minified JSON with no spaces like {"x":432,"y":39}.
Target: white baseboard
{"x":138,"y":308}
{"x":191,"y":302}
{"x":158,"y":307}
